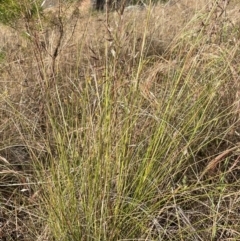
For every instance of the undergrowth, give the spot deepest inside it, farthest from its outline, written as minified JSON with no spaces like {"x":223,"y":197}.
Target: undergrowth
{"x":116,"y":129}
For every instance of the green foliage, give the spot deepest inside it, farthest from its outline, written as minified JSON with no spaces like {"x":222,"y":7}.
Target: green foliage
{"x":9,"y":11}
{"x":2,"y":56}
{"x":13,"y":10}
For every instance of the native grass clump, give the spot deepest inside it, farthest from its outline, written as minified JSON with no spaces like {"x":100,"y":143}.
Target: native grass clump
{"x":121,"y":125}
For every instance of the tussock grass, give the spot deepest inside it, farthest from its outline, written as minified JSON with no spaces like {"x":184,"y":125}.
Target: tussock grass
{"x":118,"y":129}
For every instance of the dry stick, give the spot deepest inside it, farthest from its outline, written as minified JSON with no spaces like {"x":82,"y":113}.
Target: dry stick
{"x":59,"y":41}
{"x":213,"y":163}
{"x":36,"y":43}
{"x":122,"y":7}
{"x":4,"y":160}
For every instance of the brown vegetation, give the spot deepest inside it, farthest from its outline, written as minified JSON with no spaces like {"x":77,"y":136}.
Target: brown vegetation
{"x":121,"y":126}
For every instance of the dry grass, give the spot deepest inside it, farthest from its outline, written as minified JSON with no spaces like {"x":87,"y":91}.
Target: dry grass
{"x":113,"y":128}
